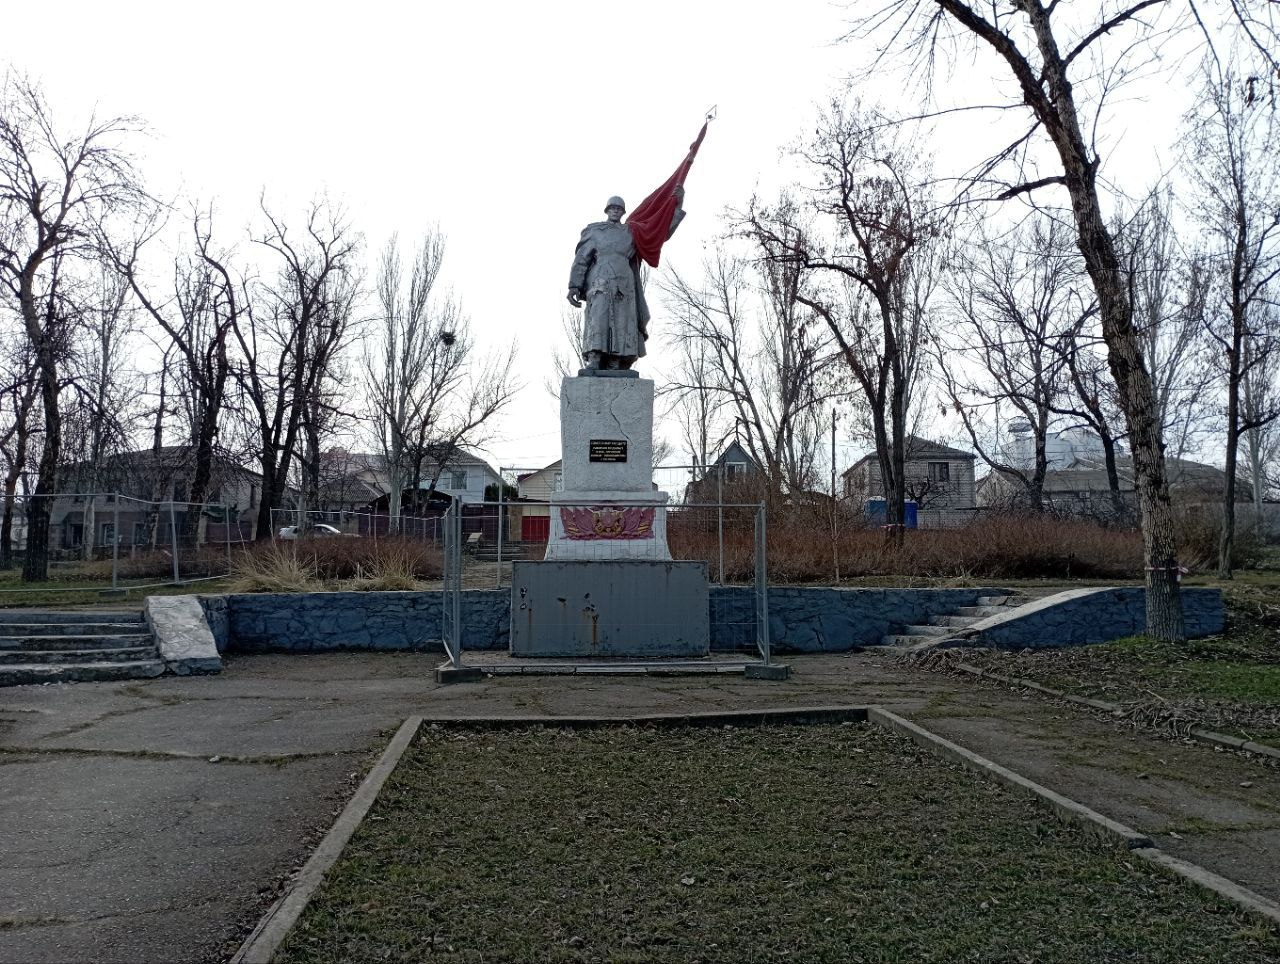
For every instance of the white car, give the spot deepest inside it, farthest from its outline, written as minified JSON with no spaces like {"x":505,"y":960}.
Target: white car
{"x":317,"y":530}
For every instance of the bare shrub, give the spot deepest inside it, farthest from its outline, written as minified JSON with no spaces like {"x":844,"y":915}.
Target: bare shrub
{"x":393,"y":569}
{"x":273,"y":568}
{"x":800,"y":550}
{"x":335,"y":559}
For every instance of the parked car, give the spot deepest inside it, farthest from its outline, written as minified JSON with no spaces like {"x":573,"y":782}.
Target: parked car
{"x":316,"y":530}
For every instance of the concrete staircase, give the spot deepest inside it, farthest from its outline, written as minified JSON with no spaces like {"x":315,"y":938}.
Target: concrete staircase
{"x":44,"y":646}
{"x":949,"y":624}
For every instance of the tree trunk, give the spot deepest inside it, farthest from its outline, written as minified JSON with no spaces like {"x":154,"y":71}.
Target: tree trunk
{"x":1226,"y":537}
{"x":1124,"y":350}
{"x":35,"y":566}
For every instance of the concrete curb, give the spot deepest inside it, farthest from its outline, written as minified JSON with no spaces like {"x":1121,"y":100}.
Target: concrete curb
{"x":765,"y":717}
{"x":1197,"y":733}
{"x":1221,"y":886}
{"x":1069,"y":810}
{"x":266,"y":938}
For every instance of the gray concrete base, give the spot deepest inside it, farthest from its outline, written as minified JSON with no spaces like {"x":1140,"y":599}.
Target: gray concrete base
{"x":448,"y":673}
{"x":629,"y":608}
{"x":774,"y":671}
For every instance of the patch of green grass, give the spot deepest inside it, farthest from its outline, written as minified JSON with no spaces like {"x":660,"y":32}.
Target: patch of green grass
{"x":803,"y":843}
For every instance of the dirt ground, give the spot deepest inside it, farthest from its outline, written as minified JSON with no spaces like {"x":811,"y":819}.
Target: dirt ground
{"x":154,"y":820}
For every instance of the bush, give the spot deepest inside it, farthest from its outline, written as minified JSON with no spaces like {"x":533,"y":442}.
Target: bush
{"x":1200,"y":528}
{"x":273,"y":568}
{"x":997,"y":547}
{"x":371,"y":564}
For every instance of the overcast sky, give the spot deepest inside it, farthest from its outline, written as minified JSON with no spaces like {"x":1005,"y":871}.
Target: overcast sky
{"x":508,"y":124}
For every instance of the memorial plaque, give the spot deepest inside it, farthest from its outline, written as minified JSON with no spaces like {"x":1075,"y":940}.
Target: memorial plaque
{"x":606,"y":450}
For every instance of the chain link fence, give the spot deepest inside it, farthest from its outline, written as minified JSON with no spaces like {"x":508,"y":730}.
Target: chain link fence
{"x":482,"y":542}
{"x":111,"y":541}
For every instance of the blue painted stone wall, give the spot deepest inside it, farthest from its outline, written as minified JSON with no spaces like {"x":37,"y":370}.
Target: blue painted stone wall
{"x":801,"y":619}
{"x":1096,"y":617}
{"x":821,"y":620}
{"x":315,"y":622}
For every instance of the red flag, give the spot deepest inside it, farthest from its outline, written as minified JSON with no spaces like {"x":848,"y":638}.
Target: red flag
{"x":650,"y":222}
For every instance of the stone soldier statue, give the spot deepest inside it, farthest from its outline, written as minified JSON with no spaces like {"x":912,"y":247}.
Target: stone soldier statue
{"x":606,"y":275}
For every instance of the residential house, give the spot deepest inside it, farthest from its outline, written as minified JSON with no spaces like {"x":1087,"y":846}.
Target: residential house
{"x":733,"y":476}
{"x":533,"y":520}
{"x":939,"y":480}
{"x":1077,"y":484}
{"x":144,"y":493}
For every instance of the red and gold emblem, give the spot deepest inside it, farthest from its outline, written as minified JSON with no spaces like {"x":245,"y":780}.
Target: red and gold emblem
{"x":607,"y":522}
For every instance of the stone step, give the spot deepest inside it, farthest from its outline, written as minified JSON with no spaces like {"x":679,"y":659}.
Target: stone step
{"x":953,"y":621}
{"x":47,"y":616}
{"x":117,"y":641}
{"x":1000,"y":600}
{"x":71,"y":629}
{"x":22,"y":674}
{"x":925,"y":631}
{"x":981,"y":611}
{"x":133,"y":654}
{"x":904,"y":641}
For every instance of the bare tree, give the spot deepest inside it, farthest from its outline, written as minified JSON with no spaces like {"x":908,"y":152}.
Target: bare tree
{"x":1259,"y":397}
{"x":1167,"y":287}
{"x":868,"y":275}
{"x":1017,"y":305}
{"x":56,"y":191}
{"x":755,"y":351}
{"x":1235,"y":161}
{"x":102,"y":411}
{"x":428,"y":394}
{"x":198,"y":319}
{"x":19,"y":395}
{"x":289,"y":335}
{"x":1044,"y":58}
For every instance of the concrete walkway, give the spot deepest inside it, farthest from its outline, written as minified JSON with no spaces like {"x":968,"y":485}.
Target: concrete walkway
{"x":151,"y":821}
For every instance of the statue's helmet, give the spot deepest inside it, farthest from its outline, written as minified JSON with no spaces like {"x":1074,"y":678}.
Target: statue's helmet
{"x":615,"y":202}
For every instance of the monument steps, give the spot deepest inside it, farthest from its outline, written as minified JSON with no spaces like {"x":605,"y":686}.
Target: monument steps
{"x":52,"y":646}
{"x":942,"y":625}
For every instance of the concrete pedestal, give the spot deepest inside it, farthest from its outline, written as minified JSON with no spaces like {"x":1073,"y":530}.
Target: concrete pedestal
{"x":607,"y":507}
{"x":610,"y":608}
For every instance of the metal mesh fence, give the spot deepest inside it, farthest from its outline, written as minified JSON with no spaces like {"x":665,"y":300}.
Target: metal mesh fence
{"x":108,"y":540}
{"x":482,"y":542}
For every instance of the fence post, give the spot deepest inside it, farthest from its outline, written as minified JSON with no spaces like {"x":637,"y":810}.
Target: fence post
{"x":115,"y":539}
{"x":762,"y":585}
{"x":500,"y":487}
{"x":457,"y":588}
{"x":226,"y":530}
{"x":720,"y":521}
{"x":173,"y":541}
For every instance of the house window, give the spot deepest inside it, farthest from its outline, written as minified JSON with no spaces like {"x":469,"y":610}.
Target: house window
{"x":939,"y":471}
{"x":108,"y":533}
{"x":735,"y":469}
{"x":140,"y":533}
{"x":458,"y":480}
{"x":180,"y":491}
{"x":558,"y":482}
{"x":253,"y":496}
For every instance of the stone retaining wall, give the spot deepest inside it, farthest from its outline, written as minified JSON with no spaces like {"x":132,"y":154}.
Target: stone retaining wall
{"x":821,"y":620}
{"x":1078,"y":617}
{"x":801,"y":619}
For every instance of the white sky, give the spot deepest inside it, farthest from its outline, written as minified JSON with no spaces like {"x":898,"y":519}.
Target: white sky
{"x":508,"y":124}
